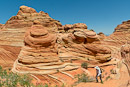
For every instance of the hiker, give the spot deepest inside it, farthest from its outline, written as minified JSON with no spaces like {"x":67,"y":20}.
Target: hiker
{"x":98,"y":73}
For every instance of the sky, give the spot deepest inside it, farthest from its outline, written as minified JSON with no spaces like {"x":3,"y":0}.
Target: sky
{"x":99,"y":15}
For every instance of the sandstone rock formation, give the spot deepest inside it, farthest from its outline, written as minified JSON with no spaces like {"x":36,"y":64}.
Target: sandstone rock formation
{"x":101,"y":35}
{"x":79,"y":42}
{"x":120,"y":36}
{"x":70,"y":27}
{"x":49,"y":47}
{"x":123,"y":27}
{"x":12,"y":33}
{"x":74,"y":41}
{"x":39,"y":55}
{"x":27,"y":15}
{"x":125,"y":55}
{"x":1,"y":25}
{"x":8,"y":55}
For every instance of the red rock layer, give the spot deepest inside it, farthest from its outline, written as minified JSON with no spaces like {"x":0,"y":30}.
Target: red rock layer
{"x":76,"y":41}
{"x":8,"y":55}
{"x":26,"y":17}
{"x":121,"y":35}
{"x":12,"y":33}
{"x":40,"y":53}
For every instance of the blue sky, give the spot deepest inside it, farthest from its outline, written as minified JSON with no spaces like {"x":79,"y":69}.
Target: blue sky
{"x":100,"y":15}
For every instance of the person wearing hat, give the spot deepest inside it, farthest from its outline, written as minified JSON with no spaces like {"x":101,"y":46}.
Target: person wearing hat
{"x":98,"y":73}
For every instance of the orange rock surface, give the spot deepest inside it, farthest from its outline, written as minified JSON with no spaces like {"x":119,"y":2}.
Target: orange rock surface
{"x":27,"y":15}
{"x":79,"y":42}
{"x":40,"y":52}
{"x":53,"y":53}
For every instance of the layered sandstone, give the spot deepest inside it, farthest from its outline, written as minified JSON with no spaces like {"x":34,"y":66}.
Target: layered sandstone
{"x":125,"y":26}
{"x":40,"y":54}
{"x":12,"y":33}
{"x":1,"y":26}
{"x":102,"y":35}
{"x":49,"y":47}
{"x":77,"y":42}
{"x":26,"y":17}
{"x":120,"y":36}
{"x":70,"y":27}
{"x":8,"y":55}
{"x":125,"y":56}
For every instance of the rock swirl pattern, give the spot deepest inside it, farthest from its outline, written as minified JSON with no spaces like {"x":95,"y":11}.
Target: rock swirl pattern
{"x":40,"y":54}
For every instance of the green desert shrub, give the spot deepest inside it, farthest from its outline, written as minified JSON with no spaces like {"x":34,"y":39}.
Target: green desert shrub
{"x":84,"y":65}
{"x":46,"y":85}
{"x":84,"y":78}
{"x":108,"y":77}
{"x":9,"y":79}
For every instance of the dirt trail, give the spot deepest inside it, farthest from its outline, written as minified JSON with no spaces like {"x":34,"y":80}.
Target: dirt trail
{"x":121,"y":82}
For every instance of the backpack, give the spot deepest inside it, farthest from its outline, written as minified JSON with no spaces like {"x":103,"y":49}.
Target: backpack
{"x":102,"y":70}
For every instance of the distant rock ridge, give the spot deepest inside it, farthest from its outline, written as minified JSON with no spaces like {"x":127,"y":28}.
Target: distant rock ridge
{"x":125,"y":26}
{"x":26,"y":17}
{"x":70,"y":27}
{"x":120,"y":36}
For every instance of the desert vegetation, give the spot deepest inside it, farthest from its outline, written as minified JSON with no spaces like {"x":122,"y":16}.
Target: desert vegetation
{"x":84,"y":65}
{"x":83,"y":78}
{"x":10,"y":79}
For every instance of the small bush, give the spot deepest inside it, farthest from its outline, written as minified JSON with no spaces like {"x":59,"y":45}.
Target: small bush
{"x":56,"y":86}
{"x":84,"y":78}
{"x":84,"y":65}
{"x":9,"y":79}
{"x":63,"y":85}
{"x":113,"y":71}
{"x":108,"y":77}
{"x":46,"y":85}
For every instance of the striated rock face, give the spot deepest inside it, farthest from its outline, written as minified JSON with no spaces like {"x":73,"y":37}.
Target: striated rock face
{"x":125,"y":26}
{"x":79,"y":42}
{"x":120,"y":36}
{"x":38,"y":39}
{"x":125,"y":56}
{"x":12,"y":33}
{"x":40,"y":52}
{"x":26,"y":17}
{"x":8,"y":55}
